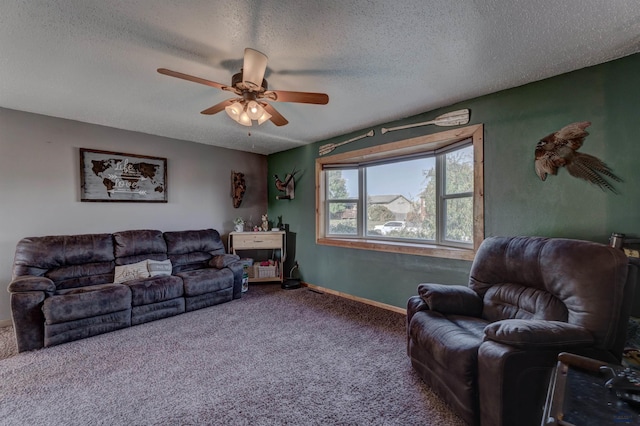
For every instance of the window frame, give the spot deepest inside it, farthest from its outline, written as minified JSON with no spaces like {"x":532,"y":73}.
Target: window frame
{"x":402,"y":148}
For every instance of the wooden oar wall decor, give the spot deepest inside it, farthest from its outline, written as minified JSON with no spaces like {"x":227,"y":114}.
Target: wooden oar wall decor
{"x":454,"y":118}
{"x":325,"y":149}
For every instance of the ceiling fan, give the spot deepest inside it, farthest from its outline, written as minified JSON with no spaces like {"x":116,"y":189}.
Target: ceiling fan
{"x":251,"y":87}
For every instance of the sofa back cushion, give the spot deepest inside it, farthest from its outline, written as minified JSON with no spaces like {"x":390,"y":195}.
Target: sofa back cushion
{"x":579,"y":282}
{"x":138,"y":245}
{"x":515,"y":301}
{"x":68,"y":260}
{"x":190,"y":250}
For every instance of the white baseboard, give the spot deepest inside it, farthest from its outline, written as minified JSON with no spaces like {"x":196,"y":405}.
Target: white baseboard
{"x":5,"y":323}
{"x":357,"y":299}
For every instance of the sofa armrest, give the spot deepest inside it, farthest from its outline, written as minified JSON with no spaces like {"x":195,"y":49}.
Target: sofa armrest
{"x":28,"y":292}
{"x":414,"y":305}
{"x":451,"y":299}
{"x":512,"y":383}
{"x":233,"y":263}
{"x":237,"y":267}
{"x":31,"y":283}
{"x":538,"y":334}
{"x":221,"y":261}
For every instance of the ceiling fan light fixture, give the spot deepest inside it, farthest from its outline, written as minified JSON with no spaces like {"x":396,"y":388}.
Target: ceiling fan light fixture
{"x":252,"y":88}
{"x":254,"y":110}
{"x":234,"y":110}
{"x":264,"y":117}
{"x":255,"y":64}
{"x":244,"y":119}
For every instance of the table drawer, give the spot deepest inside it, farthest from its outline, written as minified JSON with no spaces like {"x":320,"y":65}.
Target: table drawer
{"x":257,"y":241}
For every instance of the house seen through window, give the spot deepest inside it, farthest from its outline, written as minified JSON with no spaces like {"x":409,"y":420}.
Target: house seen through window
{"x":424,"y":194}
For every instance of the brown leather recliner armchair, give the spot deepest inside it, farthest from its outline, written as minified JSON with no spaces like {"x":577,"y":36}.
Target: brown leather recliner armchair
{"x":488,"y":349}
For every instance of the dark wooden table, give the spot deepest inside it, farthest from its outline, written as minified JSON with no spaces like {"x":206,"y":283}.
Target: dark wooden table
{"x":577,"y":396}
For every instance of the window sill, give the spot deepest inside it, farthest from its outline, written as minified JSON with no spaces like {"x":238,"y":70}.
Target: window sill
{"x":398,"y":247}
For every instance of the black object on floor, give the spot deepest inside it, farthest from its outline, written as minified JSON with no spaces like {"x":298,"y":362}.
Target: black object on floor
{"x":291,"y":283}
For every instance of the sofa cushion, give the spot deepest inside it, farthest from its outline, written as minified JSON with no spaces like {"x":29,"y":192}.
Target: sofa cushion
{"x":130,"y":272}
{"x":220,"y":261}
{"x":159,"y":267}
{"x":190,"y":250}
{"x":453,"y":340}
{"x":514,"y":301}
{"x":155,"y":289}
{"x":84,"y":302}
{"x":206,"y":281}
{"x":138,"y":245}
{"x":87,"y":274}
{"x":538,"y":334}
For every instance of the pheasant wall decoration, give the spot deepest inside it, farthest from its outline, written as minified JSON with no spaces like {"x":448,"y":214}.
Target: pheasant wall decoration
{"x":560,"y":149}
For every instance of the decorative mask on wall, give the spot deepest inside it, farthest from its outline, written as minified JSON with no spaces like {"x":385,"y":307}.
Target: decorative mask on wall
{"x":238,"y":188}
{"x":560,"y":149}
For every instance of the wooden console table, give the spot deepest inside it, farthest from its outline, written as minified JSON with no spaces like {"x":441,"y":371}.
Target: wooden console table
{"x":273,"y":240}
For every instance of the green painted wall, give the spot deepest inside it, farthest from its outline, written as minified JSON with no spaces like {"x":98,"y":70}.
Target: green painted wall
{"x":517,"y":202}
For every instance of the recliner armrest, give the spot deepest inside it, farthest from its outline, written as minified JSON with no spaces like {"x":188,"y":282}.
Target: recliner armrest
{"x":451,"y":299}
{"x":538,"y":334}
{"x":221,"y":261}
{"x":31,"y":283}
{"x":415,"y":304}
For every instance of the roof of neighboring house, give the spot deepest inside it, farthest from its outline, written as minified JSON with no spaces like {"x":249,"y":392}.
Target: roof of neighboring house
{"x":384,"y":199}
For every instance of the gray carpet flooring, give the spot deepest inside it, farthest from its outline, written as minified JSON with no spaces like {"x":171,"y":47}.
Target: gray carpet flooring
{"x":7,"y":342}
{"x":274,"y":357}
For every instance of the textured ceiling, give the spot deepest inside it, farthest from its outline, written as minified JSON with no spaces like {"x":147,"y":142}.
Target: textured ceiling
{"x":378,"y":60}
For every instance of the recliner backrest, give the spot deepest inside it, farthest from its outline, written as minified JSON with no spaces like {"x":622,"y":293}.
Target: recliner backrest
{"x":191,"y":250}
{"x":70,"y":261}
{"x":138,"y":245}
{"x":579,"y":282}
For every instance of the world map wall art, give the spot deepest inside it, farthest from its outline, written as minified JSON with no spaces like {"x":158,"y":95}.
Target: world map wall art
{"x":114,"y":176}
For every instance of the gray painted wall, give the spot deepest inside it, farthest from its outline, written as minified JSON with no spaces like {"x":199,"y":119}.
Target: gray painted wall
{"x":40,"y":184}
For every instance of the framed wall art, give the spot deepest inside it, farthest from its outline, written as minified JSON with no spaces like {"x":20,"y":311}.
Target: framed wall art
{"x":114,"y":176}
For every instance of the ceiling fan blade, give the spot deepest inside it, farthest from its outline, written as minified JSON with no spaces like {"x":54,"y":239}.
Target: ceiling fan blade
{"x":218,"y":107}
{"x":299,"y":97}
{"x":276,"y":118}
{"x":255,"y":64}
{"x":191,"y":78}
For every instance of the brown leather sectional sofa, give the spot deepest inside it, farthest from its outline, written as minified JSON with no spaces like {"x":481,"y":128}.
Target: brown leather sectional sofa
{"x":69,"y":287}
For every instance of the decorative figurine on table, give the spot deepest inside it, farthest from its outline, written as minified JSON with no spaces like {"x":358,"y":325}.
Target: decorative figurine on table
{"x":265,"y":222}
{"x":280,"y":225}
{"x":238,"y":224}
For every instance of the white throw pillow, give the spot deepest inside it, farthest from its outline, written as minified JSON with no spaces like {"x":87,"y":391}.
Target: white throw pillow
{"x":130,"y":272}
{"x":159,"y":267}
